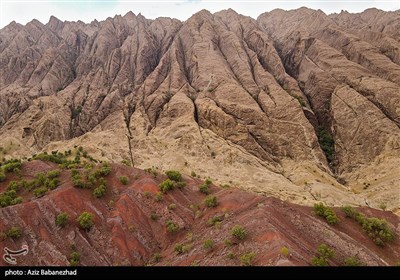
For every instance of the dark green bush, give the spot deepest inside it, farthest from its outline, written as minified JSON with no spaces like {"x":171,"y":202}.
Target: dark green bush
{"x":247,"y":259}
{"x":167,"y":185}
{"x":330,"y":216}
{"x":123,"y":180}
{"x":204,"y":188}
{"x":14,"y":232}
{"x":208,"y":244}
{"x":172,"y":227}
{"x":324,"y":254}
{"x":62,"y":219}
{"x":174,"y":175}
{"x":238,"y":232}
{"x":39,"y":192}
{"x":216,"y":219}
{"x":74,"y":259}
{"x":377,"y":229}
{"x":352,"y":261}
{"x":100,"y":191}
{"x":211,"y":201}
{"x":85,"y":220}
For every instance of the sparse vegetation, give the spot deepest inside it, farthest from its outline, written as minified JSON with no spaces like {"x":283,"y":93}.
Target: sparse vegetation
{"x":216,"y":219}
{"x":247,"y":259}
{"x":208,"y":244}
{"x":167,"y":185}
{"x":324,"y":211}
{"x":157,"y":257}
{"x":174,"y":175}
{"x":85,"y":220}
{"x":14,"y":232}
{"x":172,"y":206}
{"x":74,"y":259}
{"x":324,"y":254}
{"x":100,"y":191}
{"x":154,"y":217}
{"x":204,"y":188}
{"x":228,"y":243}
{"x":182,"y":248}
{"x":327,"y":143}
{"x":377,"y":229}
{"x":123,"y":180}
{"x":193,"y":174}
{"x":159,"y":197}
{"x":172,"y":227}
{"x":39,"y":192}
{"x":152,"y":170}
{"x":238,"y":232}
{"x":147,"y":194}
{"x":285,"y":251}
{"x":352,"y":261}
{"x":211,"y":201}
{"x":62,"y":219}
{"x":231,"y":255}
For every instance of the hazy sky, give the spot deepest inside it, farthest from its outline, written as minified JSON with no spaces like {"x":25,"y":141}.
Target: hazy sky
{"x":23,"y":11}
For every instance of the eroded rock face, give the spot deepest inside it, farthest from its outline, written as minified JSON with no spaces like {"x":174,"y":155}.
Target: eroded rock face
{"x":130,"y":226}
{"x":235,"y":98}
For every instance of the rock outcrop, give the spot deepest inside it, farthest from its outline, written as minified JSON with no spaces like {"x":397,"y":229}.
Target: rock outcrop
{"x":297,"y":104}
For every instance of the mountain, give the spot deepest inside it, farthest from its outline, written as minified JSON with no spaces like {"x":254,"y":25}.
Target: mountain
{"x":296,"y":104}
{"x":133,"y":223}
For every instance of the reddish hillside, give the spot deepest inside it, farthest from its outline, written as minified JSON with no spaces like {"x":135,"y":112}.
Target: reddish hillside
{"x":130,"y":225}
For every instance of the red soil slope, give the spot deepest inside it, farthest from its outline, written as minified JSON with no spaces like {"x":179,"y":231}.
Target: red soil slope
{"x":124,"y":233}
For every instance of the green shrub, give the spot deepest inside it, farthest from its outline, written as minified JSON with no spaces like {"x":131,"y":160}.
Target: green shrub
{"x":247,"y":259}
{"x":147,"y":194}
{"x":208,"y":182}
{"x":319,"y":261}
{"x":174,"y":175}
{"x":2,"y":176}
{"x":123,"y":180}
{"x":53,"y":174}
{"x":157,"y":257}
{"x":327,"y":143}
{"x":14,"y":232}
{"x":11,"y":166}
{"x":172,"y":227}
{"x":181,"y":185}
{"x":103,"y":171}
{"x":159,"y":197}
{"x":330,"y":216}
{"x":284,"y":251}
{"x":39,"y":192}
{"x":208,"y":244}
{"x":172,"y":206}
{"x":74,"y":259}
{"x":324,"y":253}
{"x":85,"y":220}
{"x":166,"y":185}
{"x":352,"y":261}
{"x":216,"y":219}
{"x":238,"y":232}
{"x":154,"y":217}
{"x":179,"y":248}
{"x":228,"y":243}
{"x":377,"y":229}
{"x":193,"y":174}
{"x":211,"y":201}
{"x":204,"y":188}
{"x":231,"y":255}
{"x":62,"y":219}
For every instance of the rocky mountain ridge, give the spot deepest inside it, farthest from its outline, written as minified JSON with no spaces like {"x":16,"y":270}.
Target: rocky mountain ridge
{"x":296,"y":104}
